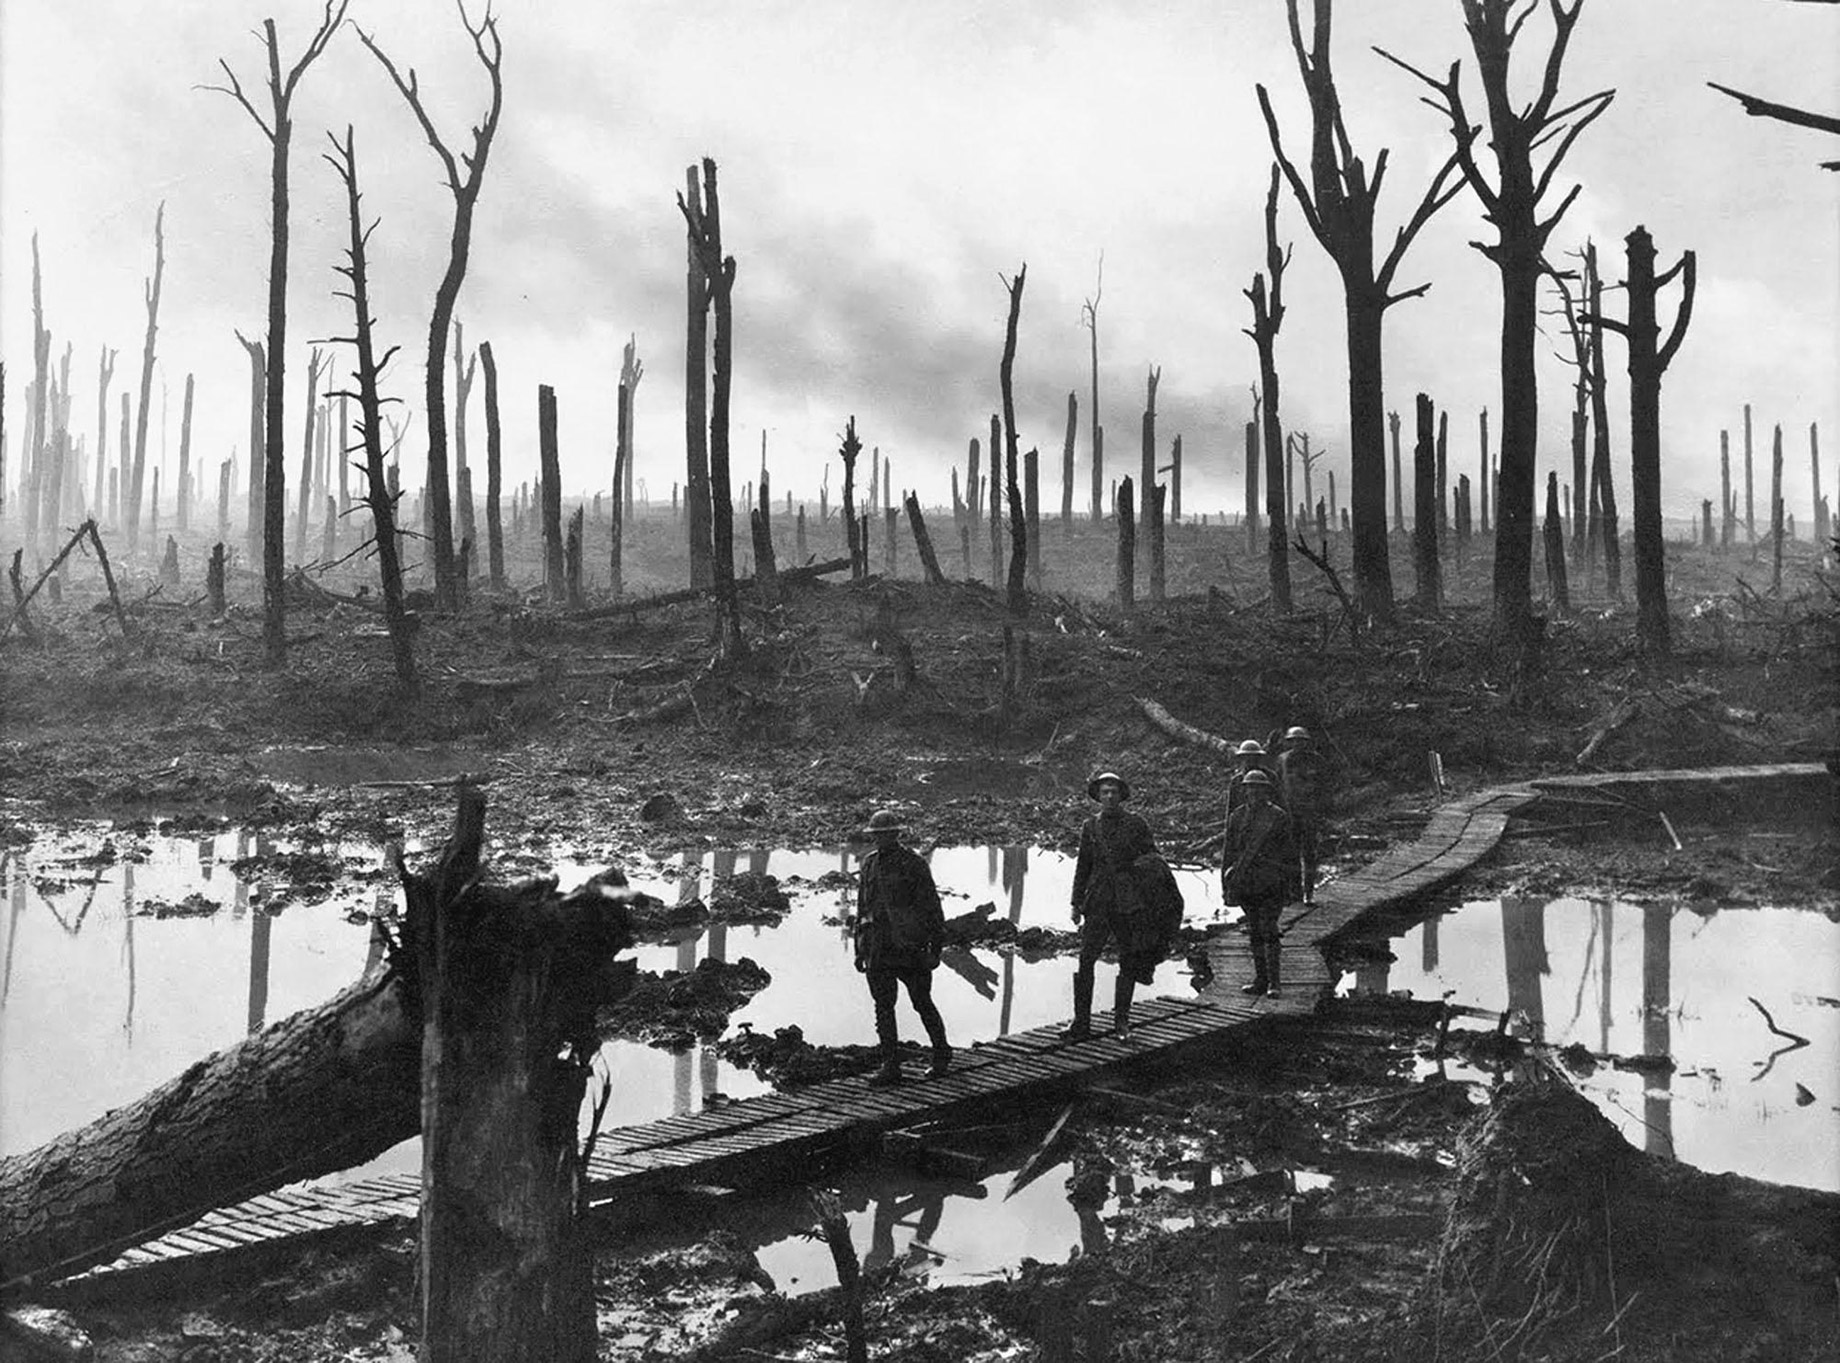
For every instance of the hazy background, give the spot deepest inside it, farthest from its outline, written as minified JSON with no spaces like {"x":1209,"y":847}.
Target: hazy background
{"x":881,"y":164}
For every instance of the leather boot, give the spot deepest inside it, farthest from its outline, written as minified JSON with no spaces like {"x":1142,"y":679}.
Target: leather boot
{"x":1260,"y":980}
{"x":942,"y":1060}
{"x":890,"y":1072}
{"x":1081,"y":1026}
{"x":1272,"y":950}
{"x":1121,"y":1003}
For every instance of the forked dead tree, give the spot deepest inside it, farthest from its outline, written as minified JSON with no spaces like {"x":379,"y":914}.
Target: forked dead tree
{"x":1267,"y":318}
{"x":464,"y":174}
{"x":705,"y":226}
{"x":632,"y":369}
{"x":369,"y":373}
{"x":257,"y":355}
{"x":1649,"y":357}
{"x":1338,"y":204}
{"x":1517,"y":128}
{"x":278,"y":127}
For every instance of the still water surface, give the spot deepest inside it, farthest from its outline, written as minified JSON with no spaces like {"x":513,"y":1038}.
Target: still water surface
{"x":99,"y":1002}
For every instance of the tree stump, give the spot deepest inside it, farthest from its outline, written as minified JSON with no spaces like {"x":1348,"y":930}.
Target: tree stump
{"x":507,"y":980}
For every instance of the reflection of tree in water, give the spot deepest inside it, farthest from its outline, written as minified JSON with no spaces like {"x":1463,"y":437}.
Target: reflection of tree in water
{"x":259,"y":926}
{"x":1429,"y":945}
{"x":16,"y":898}
{"x":127,"y":941}
{"x":1015,"y":871}
{"x":1523,"y":941}
{"x":1657,"y":992}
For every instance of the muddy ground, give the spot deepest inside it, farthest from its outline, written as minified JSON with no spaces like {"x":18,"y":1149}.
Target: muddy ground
{"x":798,"y":742}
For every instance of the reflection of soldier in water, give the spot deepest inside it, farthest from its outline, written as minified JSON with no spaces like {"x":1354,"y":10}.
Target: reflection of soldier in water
{"x":891,"y":1212}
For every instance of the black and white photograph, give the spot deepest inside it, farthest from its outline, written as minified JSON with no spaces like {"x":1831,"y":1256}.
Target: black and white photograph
{"x":812,"y":681}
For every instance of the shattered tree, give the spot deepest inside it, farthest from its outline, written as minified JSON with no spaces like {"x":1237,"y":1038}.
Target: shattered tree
{"x":1267,"y":317}
{"x":465,"y":189}
{"x":1338,"y":204}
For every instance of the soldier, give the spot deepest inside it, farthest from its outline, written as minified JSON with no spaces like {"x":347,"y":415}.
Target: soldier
{"x":1249,"y":756}
{"x":900,"y":929}
{"x":1257,"y":869}
{"x":1303,"y":790}
{"x":1108,"y":904}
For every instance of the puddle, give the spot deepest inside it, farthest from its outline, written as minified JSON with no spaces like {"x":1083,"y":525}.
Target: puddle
{"x":101,"y":1000}
{"x":1646,"y":979}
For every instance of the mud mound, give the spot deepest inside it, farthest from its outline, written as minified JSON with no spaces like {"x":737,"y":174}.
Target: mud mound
{"x":680,"y":1008}
{"x":1561,"y":1235}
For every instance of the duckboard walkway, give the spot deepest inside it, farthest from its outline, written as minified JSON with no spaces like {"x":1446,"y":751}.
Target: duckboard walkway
{"x":735,"y":1143}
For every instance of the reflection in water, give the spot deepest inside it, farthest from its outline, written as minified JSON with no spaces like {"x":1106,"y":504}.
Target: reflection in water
{"x":1657,"y":1001}
{"x":1718,"y":1108}
{"x":119,"y":1015}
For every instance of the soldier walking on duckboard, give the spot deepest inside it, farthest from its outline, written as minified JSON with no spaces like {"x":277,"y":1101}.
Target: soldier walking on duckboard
{"x":1108,"y":904}
{"x":900,"y":929}
{"x":1257,"y":870}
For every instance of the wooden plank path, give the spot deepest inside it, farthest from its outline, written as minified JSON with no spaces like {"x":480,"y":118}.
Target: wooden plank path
{"x":731,"y":1143}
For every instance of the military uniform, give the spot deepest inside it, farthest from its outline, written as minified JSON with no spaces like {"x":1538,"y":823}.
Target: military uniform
{"x":900,"y":929}
{"x":1110,"y":904}
{"x":1258,"y":868}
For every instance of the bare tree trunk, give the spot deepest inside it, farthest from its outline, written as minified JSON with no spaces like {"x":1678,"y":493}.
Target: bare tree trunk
{"x":253,"y":494}
{"x":1820,"y":503}
{"x":1776,"y":513}
{"x":929,"y":560}
{"x":1018,"y":515}
{"x":1750,"y":500}
{"x":1726,"y":516}
{"x":1125,"y":513}
{"x":1155,"y":516}
{"x":995,"y":520}
{"x":41,"y":403}
{"x":1146,"y":462}
{"x":617,"y":577}
{"x":1073,"y":422}
{"x":1252,"y":486}
{"x":380,"y":486}
{"x":766,"y":562}
{"x":1089,"y":311}
{"x":464,"y":366}
{"x":464,"y":184}
{"x":138,"y":470}
{"x":1429,"y":592}
{"x":1267,"y":318}
{"x":719,"y":271}
{"x":1553,"y":540}
{"x":314,"y":364}
{"x":495,"y":534}
{"x":571,"y":560}
{"x":185,"y":460}
{"x":1648,"y":361}
{"x":1031,"y":498}
{"x":1487,"y":477}
{"x":1600,"y":431}
{"x":1399,"y":503}
{"x":849,"y":450}
{"x":696,"y":402}
{"x":974,"y":493}
{"x":105,"y":371}
{"x":506,"y":979}
{"x":553,"y":568}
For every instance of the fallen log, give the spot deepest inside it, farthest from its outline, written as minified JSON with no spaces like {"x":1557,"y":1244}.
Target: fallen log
{"x":1187,"y":733}
{"x":806,"y":573}
{"x":323,"y":1090}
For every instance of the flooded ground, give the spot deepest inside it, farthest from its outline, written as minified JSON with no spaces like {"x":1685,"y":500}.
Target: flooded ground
{"x":1631,"y":981}
{"x":130,"y":954}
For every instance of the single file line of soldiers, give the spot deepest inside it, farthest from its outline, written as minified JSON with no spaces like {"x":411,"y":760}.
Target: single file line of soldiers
{"x":1124,"y":894}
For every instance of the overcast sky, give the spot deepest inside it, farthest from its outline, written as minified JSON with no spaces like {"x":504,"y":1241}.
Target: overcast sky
{"x":881,"y":165}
